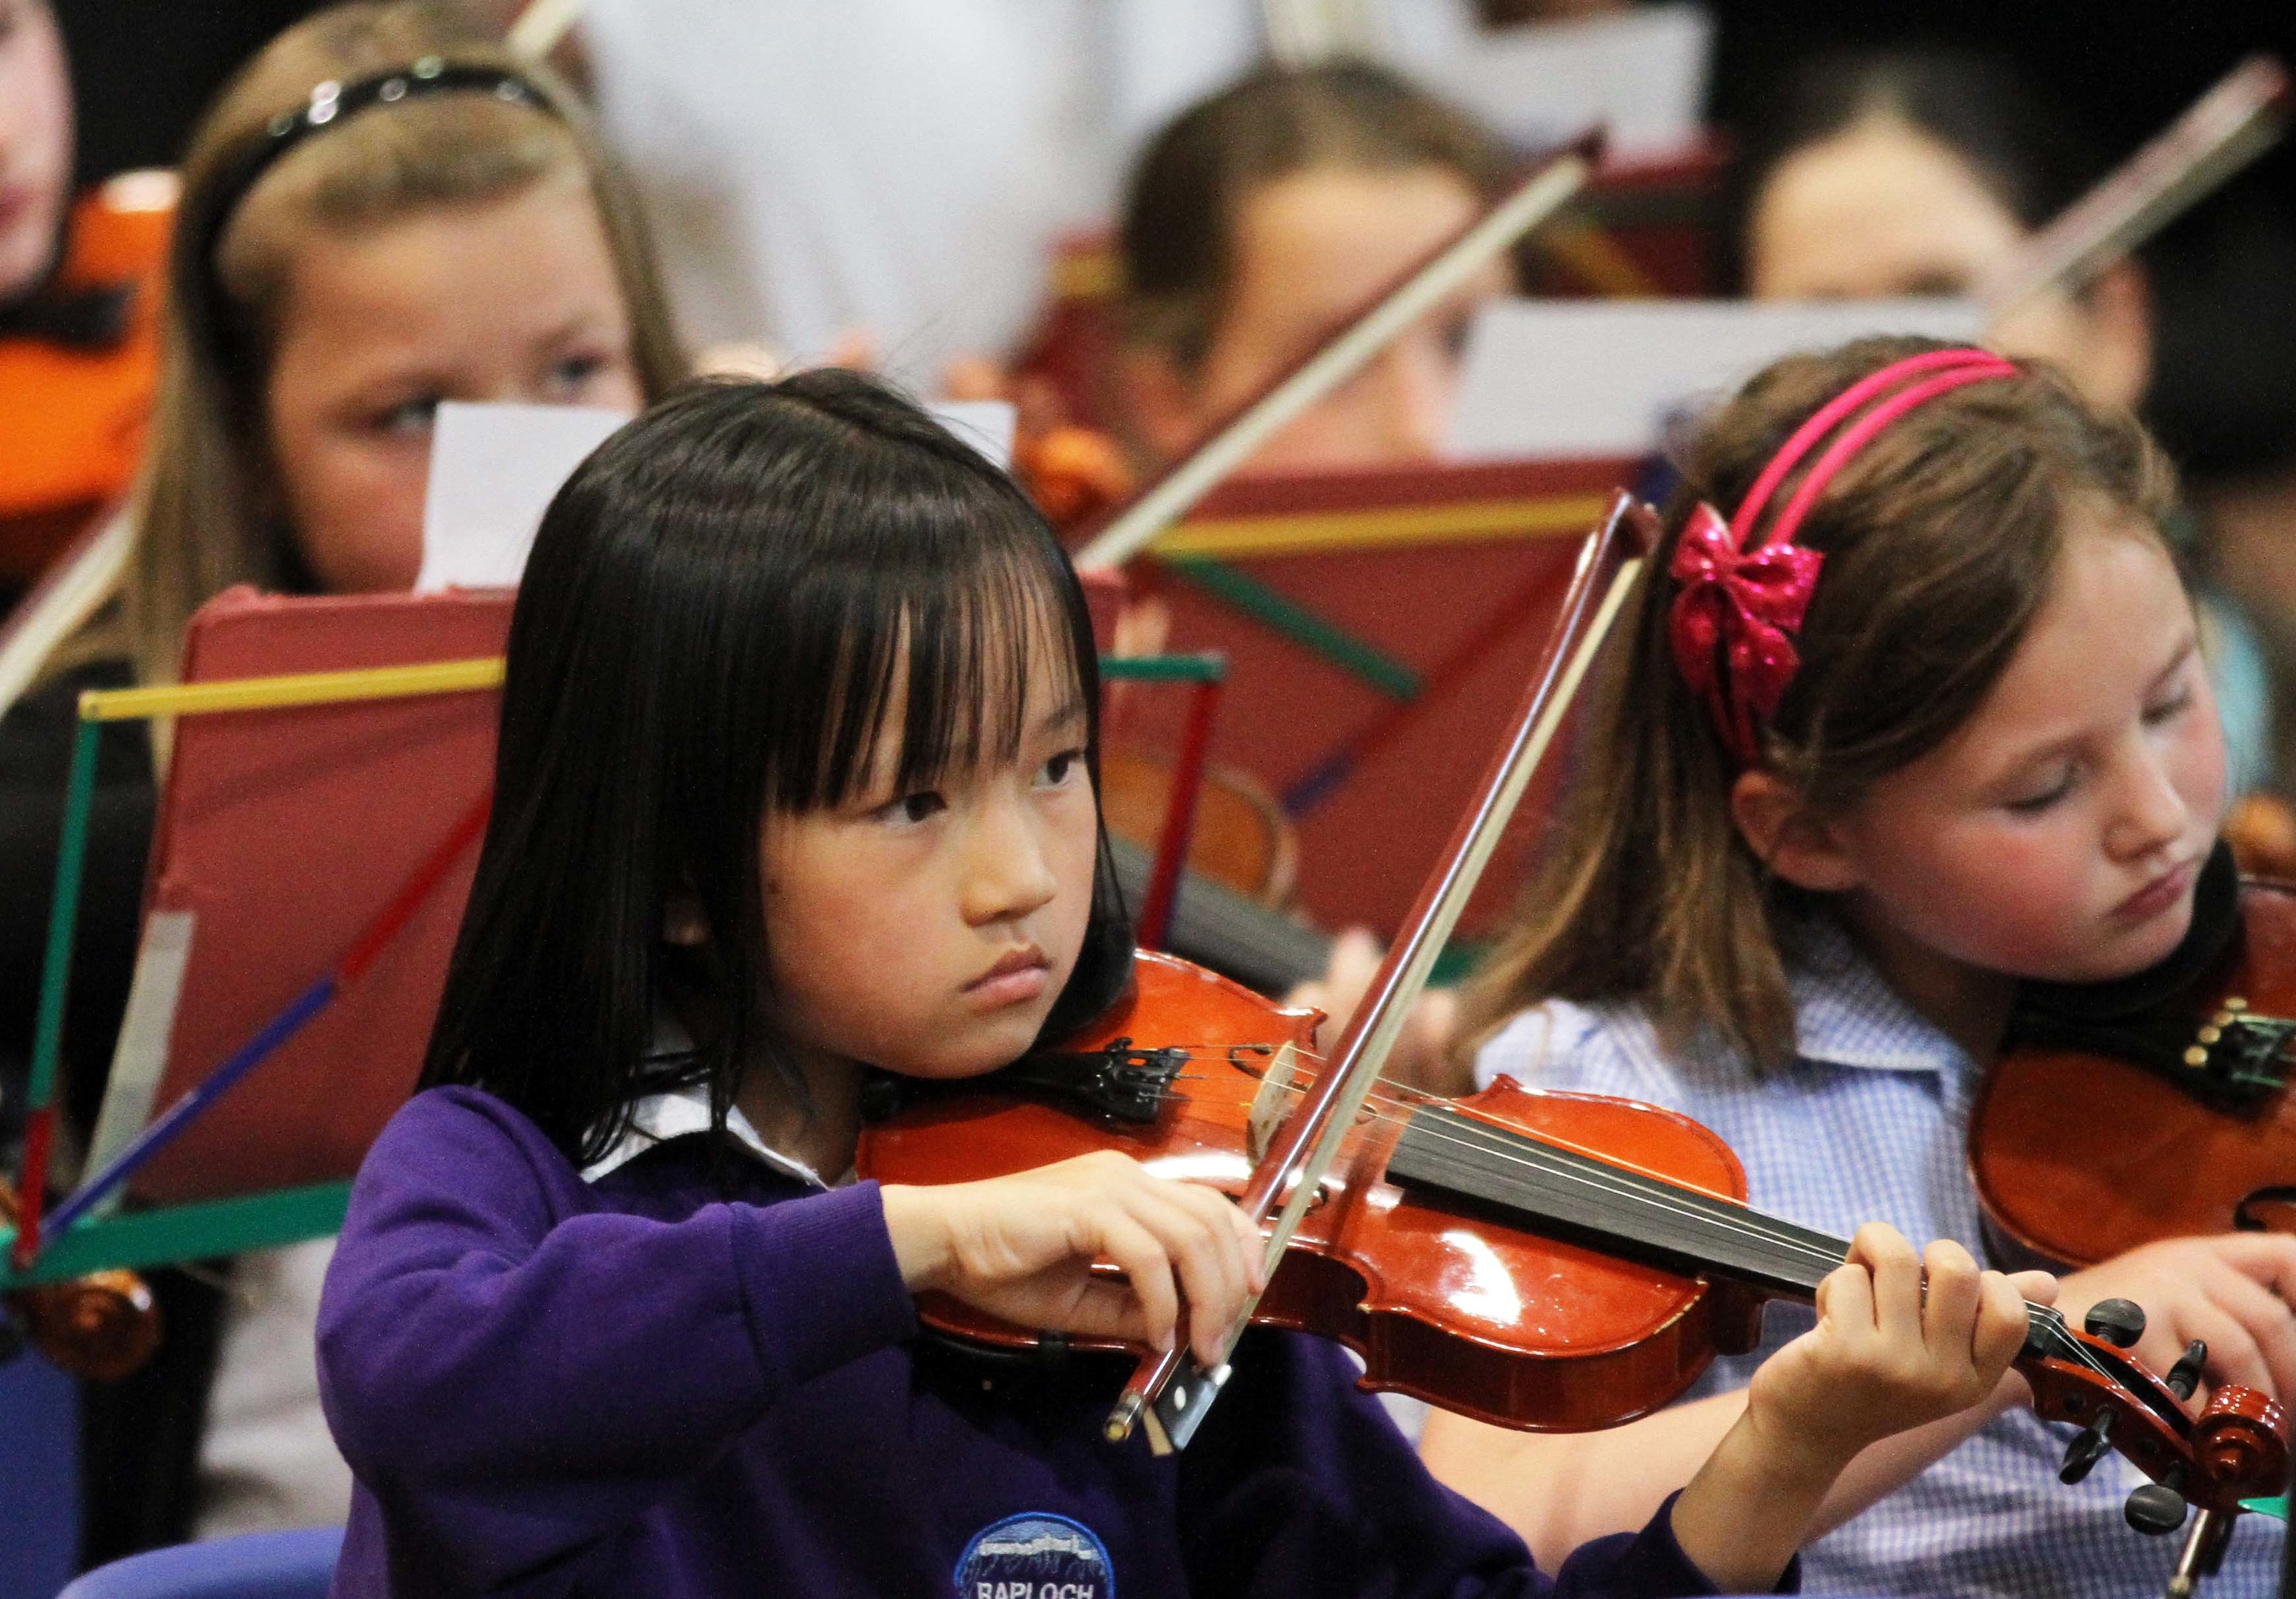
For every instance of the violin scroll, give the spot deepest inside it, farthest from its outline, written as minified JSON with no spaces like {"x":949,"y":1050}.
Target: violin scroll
{"x":2240,"y":1441}
{"x":102,"y":1326}
{"x":2234,"y":1449}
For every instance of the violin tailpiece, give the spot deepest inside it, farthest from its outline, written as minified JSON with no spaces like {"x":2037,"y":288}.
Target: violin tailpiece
{"x":2233,"y":1061}
{"x":1115,"y":1080}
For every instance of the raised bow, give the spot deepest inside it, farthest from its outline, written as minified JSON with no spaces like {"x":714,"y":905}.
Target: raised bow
{"x":1730,"y":622}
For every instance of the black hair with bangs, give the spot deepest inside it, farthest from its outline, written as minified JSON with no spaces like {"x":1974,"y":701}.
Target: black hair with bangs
{"x":720,"y":607}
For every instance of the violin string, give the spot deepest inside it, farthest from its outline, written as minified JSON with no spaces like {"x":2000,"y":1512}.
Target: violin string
{"x":1736,"y":1220}
{"x":1544,"y":1142}
{"x":1410,"y":1093}
{"x":2046,"y":1318}
{"x":1741,"y":1220}
{"x":1746,"y":1223}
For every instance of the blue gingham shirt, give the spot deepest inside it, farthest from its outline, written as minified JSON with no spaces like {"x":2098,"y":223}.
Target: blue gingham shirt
{"x":1867,"y":1125}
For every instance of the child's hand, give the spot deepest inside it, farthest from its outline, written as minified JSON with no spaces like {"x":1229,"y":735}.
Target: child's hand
{"x":2233,"y":1289}
{"x":1883,"y":1359}
{"x":1884,"y":1356}
{"x":1022,"y":1247}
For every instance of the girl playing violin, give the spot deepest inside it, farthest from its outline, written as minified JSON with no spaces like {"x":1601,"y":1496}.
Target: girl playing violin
{"x":796,"y":782}
{"x":1926,"y":717}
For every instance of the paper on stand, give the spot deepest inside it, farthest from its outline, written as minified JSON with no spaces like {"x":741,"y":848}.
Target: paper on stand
{"x":1576,"y":379}
{"x":987,"y":425}
{"x":1641,"y":75}
{"x":493,"y":469}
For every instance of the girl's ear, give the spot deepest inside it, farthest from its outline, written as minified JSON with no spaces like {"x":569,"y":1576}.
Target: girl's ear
{"x":682,"y":921}
{"x":1789,"y":838}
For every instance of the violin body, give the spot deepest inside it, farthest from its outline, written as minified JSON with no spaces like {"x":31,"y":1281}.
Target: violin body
{"x":1485,"y":1319}
{"x":1242,"y":839}
{"x":2172,"y":1119}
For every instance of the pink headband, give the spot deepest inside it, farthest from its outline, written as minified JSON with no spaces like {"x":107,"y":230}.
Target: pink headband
{"x":1742,"y":596}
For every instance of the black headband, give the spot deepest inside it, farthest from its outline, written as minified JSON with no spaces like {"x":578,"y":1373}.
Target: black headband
{"x":334,"y":101}
{"x":329,"y":104}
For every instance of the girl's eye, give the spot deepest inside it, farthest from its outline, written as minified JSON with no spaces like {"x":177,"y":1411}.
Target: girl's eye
{"x":912,"y":808}
{"x":1062,"y":766}
{"x":574,"y":373}
{"x":408,"y":416}
{"x":2168,"y":709}
{"x":2033,"y":804}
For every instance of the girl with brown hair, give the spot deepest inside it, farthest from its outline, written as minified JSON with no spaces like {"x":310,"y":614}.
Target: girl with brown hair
{"x":384,"y":210}
{"x":1925,"y":718}
{"x":1259,"y":220}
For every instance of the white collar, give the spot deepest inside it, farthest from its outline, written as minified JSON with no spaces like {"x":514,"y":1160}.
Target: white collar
{"x":678,"y":1112}
{"x":1846,"y":1014}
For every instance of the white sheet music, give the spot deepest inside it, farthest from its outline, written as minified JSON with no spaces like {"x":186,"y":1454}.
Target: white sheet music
{"x":495,"y":468}
{"x":1641,"y":74}
{"x":1572,"y":379}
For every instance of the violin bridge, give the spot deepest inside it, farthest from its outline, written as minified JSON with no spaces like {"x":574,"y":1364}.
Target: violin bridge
{"x":1279,"y":1086}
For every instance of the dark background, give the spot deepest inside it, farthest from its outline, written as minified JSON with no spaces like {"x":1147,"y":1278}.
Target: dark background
{"x":2224,"y":276}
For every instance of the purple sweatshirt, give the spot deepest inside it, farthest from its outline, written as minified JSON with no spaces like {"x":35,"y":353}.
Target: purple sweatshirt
{"x":649,"y":1385}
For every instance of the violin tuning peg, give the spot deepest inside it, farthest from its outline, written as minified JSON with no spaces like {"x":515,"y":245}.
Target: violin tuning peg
{"x":2094,"y":1444}
{"x":2185,"y":1375}
{"x":2155,"y":1510}
{"x":2120,"y":1323}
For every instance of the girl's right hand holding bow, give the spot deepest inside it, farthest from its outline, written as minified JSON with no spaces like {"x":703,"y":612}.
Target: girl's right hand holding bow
{"x":1885,"y":1356}
{"x":1022,"y":1249}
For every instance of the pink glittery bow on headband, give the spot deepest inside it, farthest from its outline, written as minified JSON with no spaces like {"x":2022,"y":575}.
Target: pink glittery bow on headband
{"x":1742,"y":597}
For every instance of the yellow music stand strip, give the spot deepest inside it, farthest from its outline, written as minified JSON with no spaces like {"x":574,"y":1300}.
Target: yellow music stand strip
{"x":294,"y":688}
{"x":1312,"y":533}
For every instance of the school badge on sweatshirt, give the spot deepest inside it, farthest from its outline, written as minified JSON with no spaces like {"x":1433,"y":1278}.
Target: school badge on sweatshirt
{"x":1037,"y":1556}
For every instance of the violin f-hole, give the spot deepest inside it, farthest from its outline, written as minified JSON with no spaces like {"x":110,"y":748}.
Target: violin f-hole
{"x":2271,"y":1209}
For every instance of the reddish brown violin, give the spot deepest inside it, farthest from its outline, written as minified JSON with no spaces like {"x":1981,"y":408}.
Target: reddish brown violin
{"x":102,"y":1326}
{"x":2157,"y":1106}
{"x":1546,"y":1261}
{"x":1550,"y":1261}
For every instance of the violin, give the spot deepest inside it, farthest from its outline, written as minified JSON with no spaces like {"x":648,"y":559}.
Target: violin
{"x":102,"y":1326}
{"x":2157,"y":1106}
{"x":1541,"y":1260}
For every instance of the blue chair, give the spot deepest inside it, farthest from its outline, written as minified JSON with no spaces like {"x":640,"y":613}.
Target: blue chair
{"x":39,"y":1478}
{"x":254,"y":1565}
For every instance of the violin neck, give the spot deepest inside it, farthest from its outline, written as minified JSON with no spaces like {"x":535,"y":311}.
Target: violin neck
{"x":1563,"y":1193}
